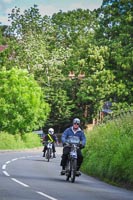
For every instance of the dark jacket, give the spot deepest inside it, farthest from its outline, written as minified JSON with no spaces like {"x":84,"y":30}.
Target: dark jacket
{"x":50,"y":138}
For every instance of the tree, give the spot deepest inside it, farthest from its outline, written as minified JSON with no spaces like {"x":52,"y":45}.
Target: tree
{"x":22,"y":107}
{"x":20,"y":23}
{"x":3,"y":39}
{"x":115,"y":31}
{"x":51,"y":48}
{"x":35,"y":52}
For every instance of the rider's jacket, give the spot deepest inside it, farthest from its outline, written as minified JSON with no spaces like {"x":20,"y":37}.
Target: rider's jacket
{"x":50,"y":138}
{"x":70,"y":132}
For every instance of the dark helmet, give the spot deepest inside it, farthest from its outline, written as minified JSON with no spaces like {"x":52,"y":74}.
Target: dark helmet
{"x":76,"y":121}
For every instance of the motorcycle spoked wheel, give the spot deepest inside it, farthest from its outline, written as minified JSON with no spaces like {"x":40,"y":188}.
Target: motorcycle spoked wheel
{"x":73,"y":169}
{"x":48,"y":154}
{"x":68,"y":171}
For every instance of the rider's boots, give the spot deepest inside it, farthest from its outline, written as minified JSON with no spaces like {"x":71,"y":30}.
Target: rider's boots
{"x":78,"y":173}
{"x":43,"y":154}
{"x":63,"y":171}
{"x":54,"y":155}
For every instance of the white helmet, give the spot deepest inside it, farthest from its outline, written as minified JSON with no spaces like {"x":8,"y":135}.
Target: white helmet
{"x":51,"y":131}
{"x":76,"y":121}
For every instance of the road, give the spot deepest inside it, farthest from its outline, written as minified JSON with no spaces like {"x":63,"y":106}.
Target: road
{"x":26,"y":175}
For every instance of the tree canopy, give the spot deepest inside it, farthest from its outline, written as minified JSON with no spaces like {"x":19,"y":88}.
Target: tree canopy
{"x":96,"y":44}
{"x":22,"y":107}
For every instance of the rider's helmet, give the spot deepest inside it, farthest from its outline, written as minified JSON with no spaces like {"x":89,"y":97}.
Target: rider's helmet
{"x":51,"y":131}
{"x":76,"y":121}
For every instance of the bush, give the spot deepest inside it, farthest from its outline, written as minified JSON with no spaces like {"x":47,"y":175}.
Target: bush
{"x":108,"y":153}
{"x":27,"y":140}
{"x":31,"y":140}
{"x":8,"y":141}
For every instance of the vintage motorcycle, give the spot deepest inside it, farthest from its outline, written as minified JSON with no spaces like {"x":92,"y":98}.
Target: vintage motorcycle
{"x":73,"y":143}
{"x":49,"y":151}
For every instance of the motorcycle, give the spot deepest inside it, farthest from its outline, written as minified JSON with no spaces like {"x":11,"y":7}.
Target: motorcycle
{"x":49,"y":151}
{"x":73,"y":143}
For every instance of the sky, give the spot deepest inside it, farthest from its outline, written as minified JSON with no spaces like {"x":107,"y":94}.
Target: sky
{"x":46,"y":7}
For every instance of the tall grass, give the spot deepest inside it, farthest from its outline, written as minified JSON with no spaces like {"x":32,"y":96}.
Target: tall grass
{"x":17,"y":141}
{"x":109,"y":151}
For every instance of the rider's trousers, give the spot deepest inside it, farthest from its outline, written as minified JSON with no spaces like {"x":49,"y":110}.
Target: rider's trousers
{"x":66,"y":151}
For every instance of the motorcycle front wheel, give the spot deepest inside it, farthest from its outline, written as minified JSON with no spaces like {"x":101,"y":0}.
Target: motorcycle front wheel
{"x":68,"y":171}
{"x":73,"y":169}
{"x":48,"y":154}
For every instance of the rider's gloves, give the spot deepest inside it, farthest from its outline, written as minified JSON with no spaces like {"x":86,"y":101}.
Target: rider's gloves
{"x":81,"y":146}
{"x":64,"y":144}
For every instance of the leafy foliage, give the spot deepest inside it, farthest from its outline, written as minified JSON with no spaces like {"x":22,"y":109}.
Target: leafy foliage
{"x":22,"y":107}
{"x":95,"y":44}
{"x":115,"y":31}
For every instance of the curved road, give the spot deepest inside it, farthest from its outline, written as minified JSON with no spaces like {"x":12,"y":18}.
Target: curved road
{"x":28,"y":176}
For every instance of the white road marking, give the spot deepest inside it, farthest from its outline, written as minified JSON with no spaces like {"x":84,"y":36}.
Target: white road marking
{"x":20,"y":182}
{"x":32,"y":156}
{"x":14,"y":159}
{"x":4,"y":167}
{"x":6,"y":173}
{"x":45,"y":195}
{"x":8,"y":162}
{"x":29,"y":156}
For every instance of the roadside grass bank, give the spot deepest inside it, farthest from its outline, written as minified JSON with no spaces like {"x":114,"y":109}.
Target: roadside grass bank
{"x":109,"y":152}
{"x":17,"y":141}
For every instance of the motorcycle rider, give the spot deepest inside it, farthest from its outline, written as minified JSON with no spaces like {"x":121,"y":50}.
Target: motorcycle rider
{"x":50,"y":137}
{"x":74,"y":130}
